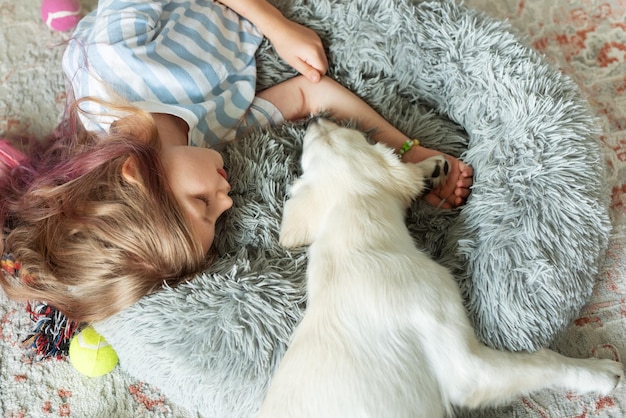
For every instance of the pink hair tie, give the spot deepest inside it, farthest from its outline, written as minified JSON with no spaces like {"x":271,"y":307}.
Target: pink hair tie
{"x":10,"y":157}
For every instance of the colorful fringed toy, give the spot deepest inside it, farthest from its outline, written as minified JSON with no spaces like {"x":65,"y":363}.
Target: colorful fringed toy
{"x":52,"y":331}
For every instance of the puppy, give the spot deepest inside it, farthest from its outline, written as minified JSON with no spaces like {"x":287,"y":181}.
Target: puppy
{"x":385,"y":333}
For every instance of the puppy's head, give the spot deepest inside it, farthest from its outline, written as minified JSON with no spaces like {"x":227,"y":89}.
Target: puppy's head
{"x":339,"y":164}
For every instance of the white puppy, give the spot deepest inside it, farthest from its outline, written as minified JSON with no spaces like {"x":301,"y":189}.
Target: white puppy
{"x":385,"y":334}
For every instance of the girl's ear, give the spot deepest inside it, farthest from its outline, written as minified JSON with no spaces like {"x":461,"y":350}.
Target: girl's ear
{"x":130,"y":171}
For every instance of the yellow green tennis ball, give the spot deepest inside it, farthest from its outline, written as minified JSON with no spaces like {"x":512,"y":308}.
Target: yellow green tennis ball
{"x":91,"y":355}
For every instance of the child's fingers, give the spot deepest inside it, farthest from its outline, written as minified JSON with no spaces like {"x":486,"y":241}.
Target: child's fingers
{"x":314,"y":64}
{"x":313,"y":76}
{"x":319,"y":62}
{"x":318,"y":65}
{"x":302,"y":48}
{"x":310,"y":72}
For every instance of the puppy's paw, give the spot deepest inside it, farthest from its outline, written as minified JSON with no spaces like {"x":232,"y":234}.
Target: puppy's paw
{"x":435,"y":170}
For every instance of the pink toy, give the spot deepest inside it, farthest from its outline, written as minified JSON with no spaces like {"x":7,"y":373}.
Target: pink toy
{"x":10,"y":157}
{"x":60,"y":15}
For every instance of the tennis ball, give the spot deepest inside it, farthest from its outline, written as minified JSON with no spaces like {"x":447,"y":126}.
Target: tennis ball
{"x":61,"y":15}
{"x":90,"y":354}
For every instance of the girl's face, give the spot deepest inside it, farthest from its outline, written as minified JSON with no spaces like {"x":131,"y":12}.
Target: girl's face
{"x":197,"y":178}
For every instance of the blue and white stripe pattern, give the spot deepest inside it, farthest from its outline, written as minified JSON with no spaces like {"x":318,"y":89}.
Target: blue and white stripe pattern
{"x":190,"y":58}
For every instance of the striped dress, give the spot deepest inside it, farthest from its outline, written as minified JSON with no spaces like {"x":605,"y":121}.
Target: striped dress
{"x":190,"y":58}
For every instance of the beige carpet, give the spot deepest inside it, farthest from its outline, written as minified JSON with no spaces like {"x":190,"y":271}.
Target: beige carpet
{"x":585,"y":38}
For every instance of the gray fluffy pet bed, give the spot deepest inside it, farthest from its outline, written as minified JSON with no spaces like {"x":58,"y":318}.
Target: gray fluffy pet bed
{"x":525,"y":248}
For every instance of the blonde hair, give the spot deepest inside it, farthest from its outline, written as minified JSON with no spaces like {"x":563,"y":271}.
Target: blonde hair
{"x":89,"y":241}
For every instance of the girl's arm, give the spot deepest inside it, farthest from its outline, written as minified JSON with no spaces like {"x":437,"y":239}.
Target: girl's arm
{"x":297,"y":98}
{"x":298,"y":45}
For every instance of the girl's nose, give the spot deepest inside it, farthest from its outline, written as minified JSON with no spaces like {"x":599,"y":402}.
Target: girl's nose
{"x":223,"y":201}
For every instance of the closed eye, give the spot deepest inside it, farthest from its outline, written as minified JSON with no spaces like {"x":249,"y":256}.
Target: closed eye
{"x":204,"y":199}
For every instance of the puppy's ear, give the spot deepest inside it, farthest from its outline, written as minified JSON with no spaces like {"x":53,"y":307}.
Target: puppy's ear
{"x":300,"y":218}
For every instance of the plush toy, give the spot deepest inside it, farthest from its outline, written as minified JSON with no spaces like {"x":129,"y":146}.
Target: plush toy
{"x":91,"y":355}
{"x":61,"y":15}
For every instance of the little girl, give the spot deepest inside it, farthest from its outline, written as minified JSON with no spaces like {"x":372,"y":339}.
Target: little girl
{"x":126,"y":196}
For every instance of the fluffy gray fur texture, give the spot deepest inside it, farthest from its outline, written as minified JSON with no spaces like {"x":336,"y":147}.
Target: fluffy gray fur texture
{"x":525,"y":248}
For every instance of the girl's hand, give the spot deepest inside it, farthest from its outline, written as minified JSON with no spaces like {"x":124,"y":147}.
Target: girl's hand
{"x":455,"y":191}
{"x":301,"y":48}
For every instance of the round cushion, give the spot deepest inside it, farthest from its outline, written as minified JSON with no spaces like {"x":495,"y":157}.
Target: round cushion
{"x":525,"y":248}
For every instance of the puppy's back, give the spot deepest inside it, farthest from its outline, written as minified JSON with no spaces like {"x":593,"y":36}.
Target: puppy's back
{"x":334,"y":369}
{"x":357,"y":351}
